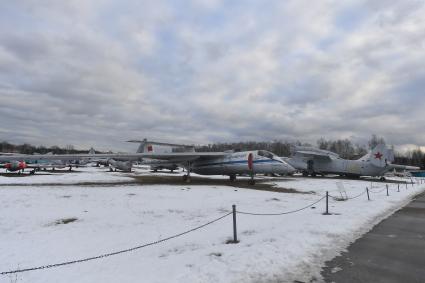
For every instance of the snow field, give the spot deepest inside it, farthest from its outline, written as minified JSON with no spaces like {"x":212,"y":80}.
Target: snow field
{"x":286,"y":248}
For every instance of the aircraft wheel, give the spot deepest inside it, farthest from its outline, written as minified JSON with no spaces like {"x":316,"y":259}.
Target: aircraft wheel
{"x":313,"y":174}
{"x":305,"y":174}
{"x":232,"y":178}
{"x":382,"y":179}
{"x":110,"y":170}
{"x":186,"y":178}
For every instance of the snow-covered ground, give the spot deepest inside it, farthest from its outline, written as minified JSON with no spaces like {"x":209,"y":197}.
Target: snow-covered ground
{"x":62,"y":176}
{"x":111,"y":218}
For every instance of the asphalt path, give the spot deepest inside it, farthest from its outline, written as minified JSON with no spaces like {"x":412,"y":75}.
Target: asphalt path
{"x":393,"y":251}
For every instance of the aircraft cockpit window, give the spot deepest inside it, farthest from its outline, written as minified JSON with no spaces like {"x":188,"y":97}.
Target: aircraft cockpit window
{"x":266,"y":154}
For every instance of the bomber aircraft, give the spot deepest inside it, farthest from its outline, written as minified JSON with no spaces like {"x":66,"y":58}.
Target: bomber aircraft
{"x":145,"y":146}
{"x":313,"y":161}
{"x":204,"y":163}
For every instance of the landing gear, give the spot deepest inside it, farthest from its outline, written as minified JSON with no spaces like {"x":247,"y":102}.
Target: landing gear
{"x":186,"y":178}
{"x":70,"y":168}
{"x":305,"y":174}
{"x":382,"y":179}
{"x":232,"y":178}
{"x":252,"y":180}
{"x":32,"y":172}
{"x":110,"y":169}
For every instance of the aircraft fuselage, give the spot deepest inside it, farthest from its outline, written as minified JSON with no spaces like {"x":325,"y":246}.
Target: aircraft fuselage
{"x":337,"y":166}
{"x":248,"y":162}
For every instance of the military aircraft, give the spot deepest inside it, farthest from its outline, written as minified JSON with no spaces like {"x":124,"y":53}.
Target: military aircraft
{"x":152,"y":147}
{"x":160,"y":147}
{"x":313,"y":161}
{"x":204,"y":163}
{"x":18,"y":166}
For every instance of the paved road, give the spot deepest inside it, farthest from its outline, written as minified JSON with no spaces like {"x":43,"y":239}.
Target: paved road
{"x":393,"y":251}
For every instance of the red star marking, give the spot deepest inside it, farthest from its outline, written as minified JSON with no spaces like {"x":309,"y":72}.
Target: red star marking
{"x":378,"y":155}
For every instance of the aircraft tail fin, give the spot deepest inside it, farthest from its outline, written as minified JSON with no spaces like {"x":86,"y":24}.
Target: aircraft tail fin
{"x":381,"y":156}
{"x":92,"y":151}
{"x":160,"y":147}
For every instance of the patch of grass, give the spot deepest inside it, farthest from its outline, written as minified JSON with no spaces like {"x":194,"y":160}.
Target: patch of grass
{"x":273,"y":199}
{"x":261,"y":184}
{"x":339,"y":198}
{"x":65,"y":220}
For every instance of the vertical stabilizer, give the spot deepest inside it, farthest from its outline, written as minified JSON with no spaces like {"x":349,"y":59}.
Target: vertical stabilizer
{"x":380,"y":155}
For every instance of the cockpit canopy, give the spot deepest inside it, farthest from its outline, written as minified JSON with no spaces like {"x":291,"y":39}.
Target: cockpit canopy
{"x":267,"y":154}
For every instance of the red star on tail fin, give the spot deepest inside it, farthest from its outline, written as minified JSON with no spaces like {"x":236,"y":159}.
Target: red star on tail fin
{"x":378,"y":155}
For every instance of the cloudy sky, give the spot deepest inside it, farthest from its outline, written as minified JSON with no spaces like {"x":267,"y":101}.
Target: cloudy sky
{"x":100,"y":72}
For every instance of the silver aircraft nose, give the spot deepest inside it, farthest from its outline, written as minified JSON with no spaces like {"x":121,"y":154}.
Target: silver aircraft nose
{"x":287,"y":168}
{"x":291,"y":170}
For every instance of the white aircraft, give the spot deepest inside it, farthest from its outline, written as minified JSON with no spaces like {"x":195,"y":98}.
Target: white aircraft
{"x":313,"y":161}
{"x":203,"y":163}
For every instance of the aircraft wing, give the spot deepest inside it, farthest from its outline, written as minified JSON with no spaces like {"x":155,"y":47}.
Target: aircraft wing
{"x":313,"y":154}
{"x":403,"y":167}
{"x":174,"y":157}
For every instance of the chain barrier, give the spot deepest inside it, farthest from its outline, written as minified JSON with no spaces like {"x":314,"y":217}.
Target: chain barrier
{"x":176,"y":235}
{"x":114,"y":253}
{"x":377,"y":192}
{"x":359,"y":195}
{"x":282,"y":213}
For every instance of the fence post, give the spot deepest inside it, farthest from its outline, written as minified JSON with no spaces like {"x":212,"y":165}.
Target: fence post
{"x":327,"y":204}
{"x":406,"y":185}
{"x":235,"y":234}
{"x":398,"y":187}
{"x":367,"y":191}
{"x":387,"y":190}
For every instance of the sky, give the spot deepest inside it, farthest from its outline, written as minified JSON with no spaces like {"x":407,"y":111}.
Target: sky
{"x":100,"y":72}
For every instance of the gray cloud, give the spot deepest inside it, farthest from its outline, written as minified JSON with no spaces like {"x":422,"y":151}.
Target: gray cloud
{"x":98,"y":72}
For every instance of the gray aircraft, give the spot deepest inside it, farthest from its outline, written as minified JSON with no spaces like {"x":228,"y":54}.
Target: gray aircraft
{"x":149,"y":147}
{"x":160,"y":147}
{"x":313,"y":161}
{"x":203,"y":163}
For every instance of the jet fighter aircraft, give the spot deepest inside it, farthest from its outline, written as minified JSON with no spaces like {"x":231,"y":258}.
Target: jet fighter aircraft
{"x":313,"y":161}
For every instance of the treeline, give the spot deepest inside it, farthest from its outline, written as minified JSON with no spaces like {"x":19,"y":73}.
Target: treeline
{"x":30,"y":149}
{"x":343,"y":147}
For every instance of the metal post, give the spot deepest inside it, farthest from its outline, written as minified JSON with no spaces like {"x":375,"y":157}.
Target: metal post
{"x":235,"y":234}
{"x":398,"y":187}
{"x":327,"y":204}
{"x":387,"y":190}
{"x":367,"y":191}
